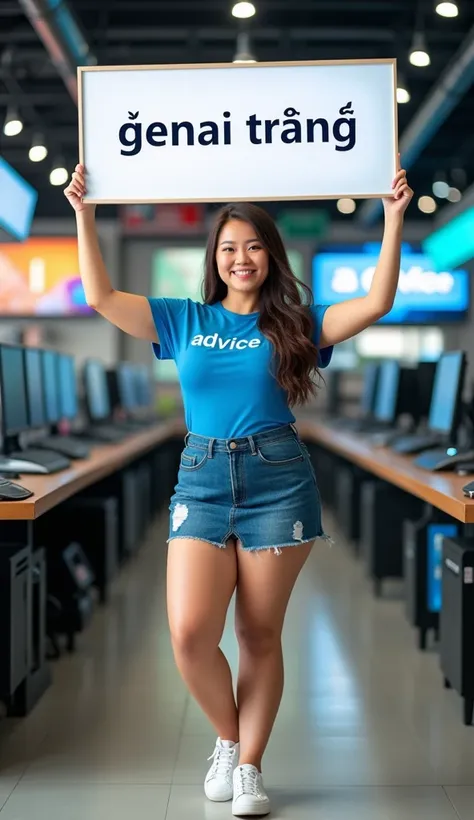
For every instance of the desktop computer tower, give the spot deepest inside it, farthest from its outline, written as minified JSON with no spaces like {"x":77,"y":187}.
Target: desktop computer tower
{"x":70,"y":582}
{"x":94,"y":523}
{"x":144,"y":497}
{"x":383,"y":511}
{"x":15,"y":619}
{"x":457,"y":620}
{"x":325,"y":466}
{"x":123,"y":487}
{"x":349,"y":481}
{"x":422,"y":554}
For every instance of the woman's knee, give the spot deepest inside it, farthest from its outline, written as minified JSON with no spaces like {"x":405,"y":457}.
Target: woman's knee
{"x":190,"y":640}
{"x":258,"y":639}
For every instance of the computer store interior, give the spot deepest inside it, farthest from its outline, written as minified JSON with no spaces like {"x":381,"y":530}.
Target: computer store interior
{"x":377,"y":715}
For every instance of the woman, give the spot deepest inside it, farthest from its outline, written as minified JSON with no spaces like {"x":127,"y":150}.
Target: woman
{"x":246,"y":510}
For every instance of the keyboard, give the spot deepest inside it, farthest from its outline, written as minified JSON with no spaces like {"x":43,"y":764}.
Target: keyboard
{"x":105,"y":433}
{"x":9,"y":491}
{"x":439,"y":460}
{"x":36,"y":461}
{"x":410,"y":445}
{"x":66,"y":445}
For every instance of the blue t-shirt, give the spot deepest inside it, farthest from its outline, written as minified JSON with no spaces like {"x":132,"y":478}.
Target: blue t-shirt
{"x":223,"y":362}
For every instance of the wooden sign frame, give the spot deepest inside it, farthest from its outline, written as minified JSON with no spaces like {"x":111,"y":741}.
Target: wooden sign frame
{"x":82,"y":70}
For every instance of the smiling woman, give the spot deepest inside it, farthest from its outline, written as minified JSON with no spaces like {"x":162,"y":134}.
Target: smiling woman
{"x":246,"y":491}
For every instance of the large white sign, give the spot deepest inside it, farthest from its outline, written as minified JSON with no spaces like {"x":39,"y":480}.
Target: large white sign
{"x":214,"y":133}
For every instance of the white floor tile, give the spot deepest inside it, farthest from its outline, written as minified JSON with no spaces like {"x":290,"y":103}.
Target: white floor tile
{"x":462,"y":798}
{"x":419,"y":803}
{"x":42,"y":802}
{"x":7,"y":786}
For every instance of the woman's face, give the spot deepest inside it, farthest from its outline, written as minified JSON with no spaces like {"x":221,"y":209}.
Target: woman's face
{"x":242,"y":261}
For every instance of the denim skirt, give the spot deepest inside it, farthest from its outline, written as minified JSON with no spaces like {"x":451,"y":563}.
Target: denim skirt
{"x":260,"y":490}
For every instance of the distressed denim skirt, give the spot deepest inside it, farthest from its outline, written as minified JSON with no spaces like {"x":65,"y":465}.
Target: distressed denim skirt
{"x":260,"y":490}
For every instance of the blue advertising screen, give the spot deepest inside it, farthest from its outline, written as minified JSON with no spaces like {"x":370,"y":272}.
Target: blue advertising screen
{"x":435,"y":533}
{"x":17,"y":202}
{"x":423,"y":295}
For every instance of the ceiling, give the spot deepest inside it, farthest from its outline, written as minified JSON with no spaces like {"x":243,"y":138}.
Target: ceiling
{"x":176,"y":31}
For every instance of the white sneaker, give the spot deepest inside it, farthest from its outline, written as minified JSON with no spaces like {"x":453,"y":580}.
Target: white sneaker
{"x":250,"y":797}
{"x":218,"y":785}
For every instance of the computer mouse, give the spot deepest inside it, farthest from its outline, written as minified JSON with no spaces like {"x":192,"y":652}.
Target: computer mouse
{"x":13,"y":492}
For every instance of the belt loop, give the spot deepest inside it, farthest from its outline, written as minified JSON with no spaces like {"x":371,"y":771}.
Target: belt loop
{"x":210,"y":447}
{"x":294,"y":430}
{"x":186,"y":439}
{"x":252,"y":446}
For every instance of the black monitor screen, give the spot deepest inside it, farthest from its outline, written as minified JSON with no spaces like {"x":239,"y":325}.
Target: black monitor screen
{"x":68,"y":407}
{"x":50,"y":380}
{"x":370,"y":386}
{"x":425,"y":376}
{"x":387,"y":392}
{"x":446,"y":392}
{"x":13,"y":390}
{"x":95,"y":381}
{"x":34,"y":387}
{"x":126,"y":383}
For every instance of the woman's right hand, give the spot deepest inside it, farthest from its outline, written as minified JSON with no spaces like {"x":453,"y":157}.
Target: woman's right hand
{"x":77,"y":189}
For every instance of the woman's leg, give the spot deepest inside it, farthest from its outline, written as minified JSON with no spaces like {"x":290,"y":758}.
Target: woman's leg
{"x":201,"y":579}
{"x":265,"y":583}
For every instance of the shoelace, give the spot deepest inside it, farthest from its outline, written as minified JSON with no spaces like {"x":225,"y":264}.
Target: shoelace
{"x":247,"y":783}
{"x":223,"y":759}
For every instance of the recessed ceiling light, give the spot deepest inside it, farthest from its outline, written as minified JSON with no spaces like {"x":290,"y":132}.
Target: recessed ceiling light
{"x":419,"y":56}
{"x":441,"y":189}
{"x":454,"y":195}
{"x":346,"y":205}
{"x":427,"y":204}
{"x":403,"y":96}
{"x":447,"y":9}
{"x":243,"y":10}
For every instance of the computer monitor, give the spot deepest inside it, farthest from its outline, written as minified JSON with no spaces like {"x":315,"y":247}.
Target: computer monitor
{"x":35,"y":387}
{"x":51,"y":387}
{"x":447,"y":393}
{"x":387,"y":392}
{"x":425,"y":376}
{"x":143,"y":385}
{"x":126,"y":386}
{"x":96,"y":392}
{"x":371,"y":374}
{"x":68,"y":403}
{"x":13,"y":390}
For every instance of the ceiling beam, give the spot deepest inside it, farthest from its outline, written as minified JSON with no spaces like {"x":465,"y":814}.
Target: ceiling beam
{"x":58,"y":31}
{"x":451,"y":87}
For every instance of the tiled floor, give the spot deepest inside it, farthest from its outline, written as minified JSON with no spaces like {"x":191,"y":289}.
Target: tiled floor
{"x":365,"y":730}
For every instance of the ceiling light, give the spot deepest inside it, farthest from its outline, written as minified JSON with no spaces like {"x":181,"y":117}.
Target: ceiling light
{"x":244,"y":53}
{"x":243,"y":10}
{"x":38,"y":151}
{"x":403,"y":96}
{"x":454,"y":195}
{"x":59,"y":174}
{"x":419,"y":56}
{"x":440,"y":189}
{"x":447,"y":9}
{"x":427,"y":205}
{"x":13,"y":124}
{"x":346,"y":205}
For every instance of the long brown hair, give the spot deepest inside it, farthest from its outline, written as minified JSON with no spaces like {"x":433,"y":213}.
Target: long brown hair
{"x":285,"y":319}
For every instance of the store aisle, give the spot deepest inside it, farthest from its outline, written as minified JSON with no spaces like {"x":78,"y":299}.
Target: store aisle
{"x":365,"y":729}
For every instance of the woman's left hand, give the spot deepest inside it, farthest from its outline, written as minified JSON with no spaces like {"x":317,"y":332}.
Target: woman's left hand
{"x":402,"y":195}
